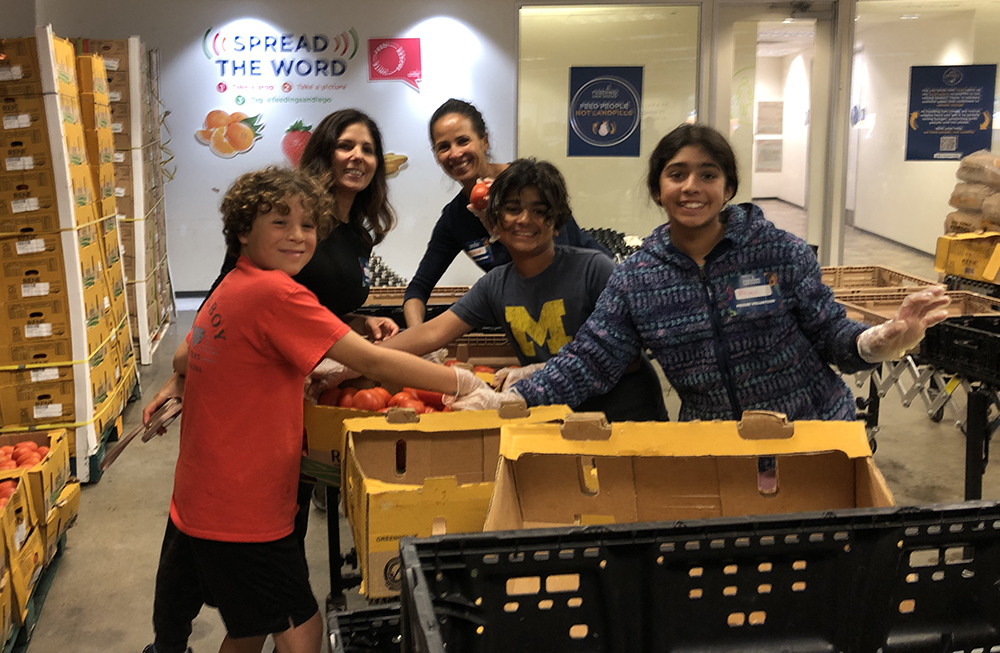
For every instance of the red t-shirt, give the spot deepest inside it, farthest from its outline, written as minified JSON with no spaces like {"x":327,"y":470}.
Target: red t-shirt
{"x":252,"y":345}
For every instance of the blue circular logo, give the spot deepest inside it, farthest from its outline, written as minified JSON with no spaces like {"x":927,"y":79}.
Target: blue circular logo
{"x":605,"y":111}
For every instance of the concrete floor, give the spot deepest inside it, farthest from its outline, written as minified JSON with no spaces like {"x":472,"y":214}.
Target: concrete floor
{"x":102,"y":596}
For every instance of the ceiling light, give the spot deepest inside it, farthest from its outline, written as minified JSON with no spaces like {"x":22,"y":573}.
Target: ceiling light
{"x":909,"y":17}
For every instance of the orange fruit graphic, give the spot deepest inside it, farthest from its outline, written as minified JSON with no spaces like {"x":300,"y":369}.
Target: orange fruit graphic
{"x":238,"y":116}
{"x":217,"y":118}
{"x":239,"y":136}
{"x":204,"y":136}
{"x":219,"y":145}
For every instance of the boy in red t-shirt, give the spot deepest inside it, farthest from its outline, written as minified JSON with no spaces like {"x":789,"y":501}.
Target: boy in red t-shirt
{"x":229,"y":539}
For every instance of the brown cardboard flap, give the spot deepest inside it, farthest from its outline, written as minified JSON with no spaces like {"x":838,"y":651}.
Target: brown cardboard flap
{"x":586,"y":426}
{"x":516,"y":409}
{"x":765,"y":425}
{"x":399,"y":415}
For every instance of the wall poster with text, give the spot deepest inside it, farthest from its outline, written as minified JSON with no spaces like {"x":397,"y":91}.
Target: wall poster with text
{"x":605,"y":111}
{"x":950,"y":112}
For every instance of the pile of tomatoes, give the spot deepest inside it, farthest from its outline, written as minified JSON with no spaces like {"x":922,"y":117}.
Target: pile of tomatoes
{"x":23,"y":454}
{"x":7,"y":489}
{"x":378,"y":399}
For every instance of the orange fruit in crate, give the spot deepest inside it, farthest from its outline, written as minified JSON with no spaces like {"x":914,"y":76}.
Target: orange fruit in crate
{"x":239,"y":136}
{"x":217,"y":118}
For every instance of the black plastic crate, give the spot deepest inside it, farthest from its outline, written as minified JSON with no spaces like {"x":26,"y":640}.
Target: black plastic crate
{"x":369,"y":630}
{"x":967,"y":346}
{"x":873,"y":580}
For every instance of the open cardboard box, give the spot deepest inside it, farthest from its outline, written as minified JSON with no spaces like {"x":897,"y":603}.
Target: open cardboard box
{"x":589,"y":472}
{"x":419,"y":476}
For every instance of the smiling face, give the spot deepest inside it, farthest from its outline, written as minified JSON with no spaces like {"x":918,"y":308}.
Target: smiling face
{"x":354,"y":159}
{"x":525,"y":226}
{"x":693,"y":190}
{"x":281,"y":242}
{"x":459,"y":150}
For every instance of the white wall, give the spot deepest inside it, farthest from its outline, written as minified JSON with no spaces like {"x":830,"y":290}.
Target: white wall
{"x":469,"y":54}
{"x":905,"y":201}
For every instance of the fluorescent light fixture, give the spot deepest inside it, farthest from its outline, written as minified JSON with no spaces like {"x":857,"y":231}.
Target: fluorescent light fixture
{"x":909,"y":17}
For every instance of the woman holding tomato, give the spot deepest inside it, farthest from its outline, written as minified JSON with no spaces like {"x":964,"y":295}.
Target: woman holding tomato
{"x":461,"y":145}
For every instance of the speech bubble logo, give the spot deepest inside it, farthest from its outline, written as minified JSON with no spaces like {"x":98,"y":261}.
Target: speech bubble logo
{"x":395,"y":60}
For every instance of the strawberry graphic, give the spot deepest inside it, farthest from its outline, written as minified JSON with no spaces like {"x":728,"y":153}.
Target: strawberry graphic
{"x":294,"y":142}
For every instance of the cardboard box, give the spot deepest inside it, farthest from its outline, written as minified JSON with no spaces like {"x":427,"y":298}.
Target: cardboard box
{"x":26,"y":192}
{"x":100,"y":146}
{"x":114,"y":52}
{"x":37,"y":403}
{"x":69,"y":108}
{"x":420,"y":477}
{"x":92,"y":77}
{"x":82,"y":184}
{"x":46,"y":480}
{"x":108,"y":208}
{"x":104,"y":181}
{"x":17,"y":518}
{"x":65,"y":61}
{"x":76,"y":145}
{"x":37,"y":222}
{"x":970,"y":255}
{"x":587,"y":472}
{"x":22,"y":112}
{"x":118,"y":86}
{"x":123,"y":180}
{"x":19,"y":63}
{"x":43,"y":351}
{"x":121,"y":118}
{"x":27,"y":278}
{"x":60,"y":518}
{"x":25,"y":569}
{"x":37,"y":317}
{"x":24,"y":149}
{"x":95,"y":112}
{"x":6,"y":606}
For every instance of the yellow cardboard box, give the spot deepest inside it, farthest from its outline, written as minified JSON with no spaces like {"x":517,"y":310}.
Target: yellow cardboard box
{"x":587,"y":472}
{"x":76,"y":145}
{"x":113,"y":51}
{"x":969,"y":255}
{"x":27,"y":191}
{"x":95,"y":112}
{"x":422,"y":476}
{"x":65,"y":61}
{"x":100,"y":146}
{"x":26,"y":278}
{"x":61,"y":517}
{"x":24,"y":148}
{"x":83,"y":185}
{"x":16,"y":515}
{"x":69,"y":108}
{"x":37,"y":403}
{"x":6,"y":606}
{"x":92,"y":77}
{"x":46,"y":480}
{"x":22,"y":223}
{"x":25,"y":568}
{"x":104,"y":181}
{"x":34,"y":249}
{"x":35,"y":320}
{"x":55,"y":350}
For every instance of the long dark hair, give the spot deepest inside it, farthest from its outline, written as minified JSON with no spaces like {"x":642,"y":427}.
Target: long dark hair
{"x":703,"y":136}
{"x":523,"y":173}
{"x":462,"y":108}
{"x":371,"y":209}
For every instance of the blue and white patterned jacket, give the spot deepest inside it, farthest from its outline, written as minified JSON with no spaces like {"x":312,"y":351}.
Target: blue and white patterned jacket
{"x":753,"y":329}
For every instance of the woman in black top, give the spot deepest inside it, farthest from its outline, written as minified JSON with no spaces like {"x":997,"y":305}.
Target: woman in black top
{"x":461,"y":145}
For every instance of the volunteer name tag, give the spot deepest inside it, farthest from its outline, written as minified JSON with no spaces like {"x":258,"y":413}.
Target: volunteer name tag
{"x":479,"y":250}
{"x":753,"y":293}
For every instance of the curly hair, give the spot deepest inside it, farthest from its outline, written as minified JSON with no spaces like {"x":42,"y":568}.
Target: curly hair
{"x":263,"y":191}
{"x":523,"y":173}
{"x":703,"y":136}
{"x":371,"y":209}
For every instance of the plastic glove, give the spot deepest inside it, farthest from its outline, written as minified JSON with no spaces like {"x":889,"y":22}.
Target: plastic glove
{"x":474,"y":394}
{"x":508,"y":376}
{"x":891,"y":340}
{"x":380,"y":328}
{"x":328,"y":374}
{"x":438,"y":356}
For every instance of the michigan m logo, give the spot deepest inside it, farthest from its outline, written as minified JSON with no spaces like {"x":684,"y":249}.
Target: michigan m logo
{"x":548,"y":330}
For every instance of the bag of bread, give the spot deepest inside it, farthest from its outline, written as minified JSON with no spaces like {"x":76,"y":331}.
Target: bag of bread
{"x":982,"y":167}
{"x":961,"y":222}
{"x":970,"y":196}
{"x":991,"y":208}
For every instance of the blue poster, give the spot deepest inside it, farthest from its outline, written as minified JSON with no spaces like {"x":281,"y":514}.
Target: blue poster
{"x":605,"y":109}
{"x":951,"y":111}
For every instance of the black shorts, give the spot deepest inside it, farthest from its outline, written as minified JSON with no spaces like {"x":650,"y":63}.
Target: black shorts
{"x":258,"y":587}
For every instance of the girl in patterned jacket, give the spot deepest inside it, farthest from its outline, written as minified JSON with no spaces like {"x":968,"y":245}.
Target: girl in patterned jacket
{"x":733,"y":308}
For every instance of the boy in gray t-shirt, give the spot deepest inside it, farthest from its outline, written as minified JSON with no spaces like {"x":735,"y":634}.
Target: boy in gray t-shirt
{"x":542,"y":297}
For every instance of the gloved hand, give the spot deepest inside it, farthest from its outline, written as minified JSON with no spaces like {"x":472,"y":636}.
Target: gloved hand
{"x":508,"y":376}
{"x":328,"y":374}
{"x":474,"y":394}
{"x":891,"y":340}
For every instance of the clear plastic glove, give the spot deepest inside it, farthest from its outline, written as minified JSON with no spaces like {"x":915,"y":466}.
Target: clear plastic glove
{"x":328,"y":374}
{"x":474,"y":394}
{"x":438,"y":356}
{"x":508,"y":376}
{"x":891,"y":340}
{"x":380,"y":328}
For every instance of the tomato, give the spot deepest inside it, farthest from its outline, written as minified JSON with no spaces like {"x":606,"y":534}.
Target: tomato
{"x":8,"y":464}
{"x":43,"y":451}
{"x":399,"y":397}
{"x":432,"y":399}
{"x":7,"y":450}
{"x":5,"y":493}
{"x":21,"y":454}
{"x":3,"y":502}
{"x":451,"y":362}
{"x":346,"y":400}
{"x":382,"y":393}
{"x":26,"y":444}
{"x":368,"y":400}
{"x":479,"y":198}
{"x":329,"y":397}
{"x":29,"y":461}
{"x":415,"y":404}
{"x":486,"y":369}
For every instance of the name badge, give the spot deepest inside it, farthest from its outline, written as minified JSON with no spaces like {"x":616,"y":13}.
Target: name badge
{"x":753,"y":293}
{"x":479,"y":250}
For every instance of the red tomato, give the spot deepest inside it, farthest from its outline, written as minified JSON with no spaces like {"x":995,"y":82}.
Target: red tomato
{"x":400,"y":397}
{"x":415,"y":404}
{"x":368,"y":400}
{"x":346,"y":400}
{"x":484,"y":368}
{"x":479,"y":197}
{"x":383,"y":393}
{"x":21,"y":454}
{"x":29,"y":461}
{"x":8,"y":464}
{"x":5,"y":493}
{"x":43,"y":451}
{"x":329,"y":397}
{"x":7,"y":449}
{"x":451,"y":361}
{"x":3,"y":502}
{"x":26,"y":444}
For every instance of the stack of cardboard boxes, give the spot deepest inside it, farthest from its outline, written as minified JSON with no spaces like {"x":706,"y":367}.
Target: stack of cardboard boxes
{"x":65,"y":353}
{"x":134,"y":122}
{"x":43,"y":505}
{"x":970,"y":248}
